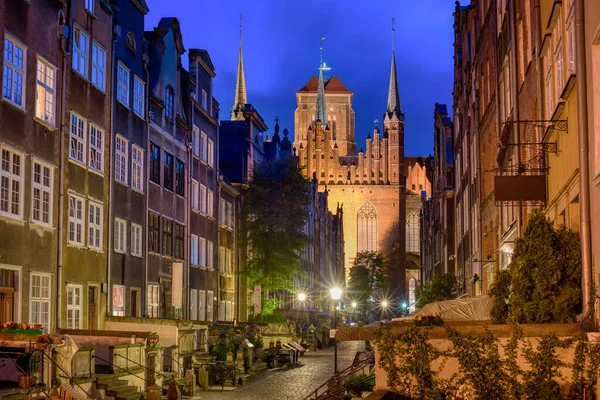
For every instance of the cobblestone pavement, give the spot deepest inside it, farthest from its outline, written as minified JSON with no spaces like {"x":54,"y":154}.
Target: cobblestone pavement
{"x":293,"y":383}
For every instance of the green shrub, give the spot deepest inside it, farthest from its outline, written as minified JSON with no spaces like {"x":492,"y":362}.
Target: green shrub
{"x":357,"y":384}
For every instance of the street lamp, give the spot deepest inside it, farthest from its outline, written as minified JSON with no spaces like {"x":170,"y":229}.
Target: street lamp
{"x":354,"y":305}
{"x":301,"y":297}
{"x":336,"y":295}
{"x":384,"y":304}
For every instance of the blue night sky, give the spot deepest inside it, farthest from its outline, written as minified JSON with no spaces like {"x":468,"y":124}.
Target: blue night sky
{"x":281,"y":52}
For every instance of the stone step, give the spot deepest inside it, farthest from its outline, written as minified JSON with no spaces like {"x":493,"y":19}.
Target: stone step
{"x":111,"y":385}
{"x":100,"y":378}
{"x":122,"y":391}
{"x":130,"y":396}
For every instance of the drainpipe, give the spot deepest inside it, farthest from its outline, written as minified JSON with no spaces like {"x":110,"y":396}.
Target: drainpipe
{"x":218,"y":246}
{"x":61,"y":188}
{"x":587,"y":283}
{"x":537,"y":32}
{"x":147,"y":182}
{"x":515,"y":94}
{"x":188,"y":202}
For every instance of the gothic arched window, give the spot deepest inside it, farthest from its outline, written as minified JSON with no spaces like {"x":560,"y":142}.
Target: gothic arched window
{"x":412,"y":233}
{"x":367,"y":228}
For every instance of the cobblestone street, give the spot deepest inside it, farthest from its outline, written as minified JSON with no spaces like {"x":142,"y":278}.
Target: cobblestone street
{"x":292,"y":383}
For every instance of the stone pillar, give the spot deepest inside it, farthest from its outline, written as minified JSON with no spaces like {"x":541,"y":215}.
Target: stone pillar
{"x":239,"y":362}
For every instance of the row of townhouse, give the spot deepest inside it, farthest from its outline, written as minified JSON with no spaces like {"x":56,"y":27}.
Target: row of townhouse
{"x":523,"y":135}
{"x":113,"y":210}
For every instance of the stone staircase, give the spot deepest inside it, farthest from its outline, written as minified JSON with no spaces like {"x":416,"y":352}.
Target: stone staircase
{"x":117,"y":388}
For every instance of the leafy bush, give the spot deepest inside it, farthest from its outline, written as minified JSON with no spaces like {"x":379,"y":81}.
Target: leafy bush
{"x":357,"y":384}
{"x":441,"y":288}
{"x":428,"y":320}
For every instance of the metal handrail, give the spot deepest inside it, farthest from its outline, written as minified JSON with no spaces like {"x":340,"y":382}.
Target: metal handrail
{"x":137,"y":363}
{"x":341,"y":375}
{"x":342,"y":389}
{"x":172,"y":359}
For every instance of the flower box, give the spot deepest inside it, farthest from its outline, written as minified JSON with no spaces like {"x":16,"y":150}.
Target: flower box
{"x":25,"y":331}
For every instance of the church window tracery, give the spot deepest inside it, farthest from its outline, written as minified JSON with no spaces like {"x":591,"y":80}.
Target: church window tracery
{"x":412,"y":233}
{"x":367,"y":228}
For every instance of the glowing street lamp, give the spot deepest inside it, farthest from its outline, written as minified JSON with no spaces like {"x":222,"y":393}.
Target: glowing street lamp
{"x":302,"y":296}
{"x":354,"y":304}
{"x":336,"y":295}
{"x":384,"y":304}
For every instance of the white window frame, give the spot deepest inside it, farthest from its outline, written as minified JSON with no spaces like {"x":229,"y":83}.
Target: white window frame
{"x":95,"y":227}
{"x":202,"y":197}
{"x":194,"y":250}
{"x":15,"y":70}
{"x":209,"y":254}
{"x":74,"y":307}
{"x":76,"y":220}
{"x":81,"y":51}
{"x":139,"y":96}
{"x":209,"y":305}
{"x":194,"y":304}
{"x":118,"y":308}
{"x":222,"y":211}
{"x":77,"y":142}
{"x":123,"y":78}
{"x":137,"y":168}
{"x":194,"y":195}
{"x":45,"y":91}
{"x":89,"y":5}
{"x":44,"y":187}
{"x":45,"y":284}
{"x":96,"y":150}
{"x":153,"y":301}
{"x":98,"y":76}
{"x":11,"y":176}
{"x":121,"y":155}
{"x":202,"y":252}
{"x":136,"y":240}
{"x":211,"y":153}
{"x":229,"y":215}
{"x":210,"y":205}
{"x":201,"y":305}
{"x":120,"y":235}
{"x":203,"y":146}
{"x":196,"y":141}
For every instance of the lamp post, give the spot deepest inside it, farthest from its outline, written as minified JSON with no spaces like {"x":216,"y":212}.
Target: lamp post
{"x":336,"y":295}
{"x":301,"y":299}
{"x":354,"y":305}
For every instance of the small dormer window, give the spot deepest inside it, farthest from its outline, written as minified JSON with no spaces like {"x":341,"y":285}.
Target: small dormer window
{"x":169,"y":94}
{"x":204,"y":100}
{"x":131,"y":42}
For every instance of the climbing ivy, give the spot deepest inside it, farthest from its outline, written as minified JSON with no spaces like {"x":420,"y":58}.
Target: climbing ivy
{"x":488,"y":368}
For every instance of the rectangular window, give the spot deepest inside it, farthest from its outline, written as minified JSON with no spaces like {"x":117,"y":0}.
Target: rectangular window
{"x":222,"y":211}
{"x":201,"y":305}
{"x":194,"y":304}
{"x":211,"y":153}
{"x":203,"y":144}
{"x":123,"y":84}
{"x":202,"y":252}
{"x":179,"y":177}
{"x":11,"y":177}
{"x":222,"y":259}
{"x":95,"y":230}
{"x":39,"y":300}
{"x":154,"y":163}
{"x":196,"y":141}
{"x":98,"y":65}
{"x":560,"y":72}
{"x":77,"y":145}
{"x":194,"y":250}
{"x":45,"y":92}
{"x":167,"y":237}
{"x":153,"y":233}
{"x":136,"y":240}
{"x":204,"y":100}
{"x":571,"y":44}
{"x":210,"y":205}
{"x":80,"y":51}
{"x":209,"y":305}
{"x":121,"y":150}
{"x":153,"y":296}
{"x":194,"y":195}
{"x":41,"y":200}
{"x":137,"y":168}
{"x":169,"y":102}
{"x":74,"y":306}
{"x":179,"y":241}
{"x":119,"y":300}
{"x":202,"y":199}
{"x":229,"y":220}
{"x":120,"y":236}
{"x":221,"y":314}
{"x":209,"y":254}
{"x":168,"y":171}
{"x":89,"y":5}
{"x":139,"y":94}
{"x":96,"y":148}
{"x":76,"y":235}
{"x":13,"y":84}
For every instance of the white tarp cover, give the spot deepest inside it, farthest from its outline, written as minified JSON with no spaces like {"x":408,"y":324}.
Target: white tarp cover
{"x":465,"y":309}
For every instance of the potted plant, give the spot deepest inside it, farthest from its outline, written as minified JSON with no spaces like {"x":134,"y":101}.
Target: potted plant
{"x":26,"y":363}
{"x":43,"y":340}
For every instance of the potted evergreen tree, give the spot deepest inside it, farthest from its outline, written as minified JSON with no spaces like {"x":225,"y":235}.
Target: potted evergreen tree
{"x":26,"y":363}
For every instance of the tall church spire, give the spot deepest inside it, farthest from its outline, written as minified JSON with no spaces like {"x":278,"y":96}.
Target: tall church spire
{"x":240,"y":85}
{"x":321,"y":113}
{"x":393,"y":103}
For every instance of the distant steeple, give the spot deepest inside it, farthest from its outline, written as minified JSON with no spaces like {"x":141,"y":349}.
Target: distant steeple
{"x":393,"y":103}
{"x":240,"y":86}
{"x":321,"y":113}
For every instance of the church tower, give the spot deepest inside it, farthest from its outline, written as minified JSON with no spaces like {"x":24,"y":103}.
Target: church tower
{"x":237,"y":112}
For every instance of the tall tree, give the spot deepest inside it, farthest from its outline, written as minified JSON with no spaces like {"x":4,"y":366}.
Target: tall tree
{"x":442,"y":287}
{"x":275,"y":210}
{"x":367,"y":275}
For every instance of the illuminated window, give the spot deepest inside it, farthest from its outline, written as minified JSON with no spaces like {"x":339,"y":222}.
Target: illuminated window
{"x":412,"y":233}
{"x":367,"y":228}
{"x":412,"y":288}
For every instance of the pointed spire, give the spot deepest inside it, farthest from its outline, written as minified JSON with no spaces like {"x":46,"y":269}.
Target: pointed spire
{"x":240,"y":85}
{"x":393,"y":104}
{"x":321,"y":113}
